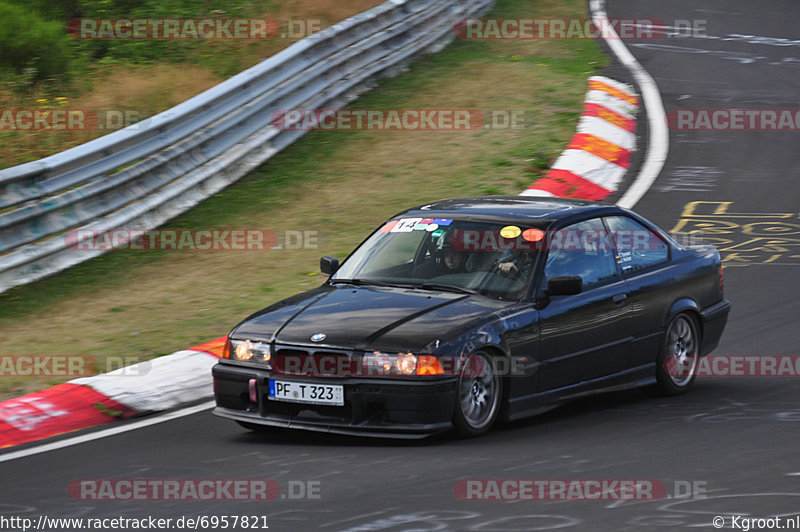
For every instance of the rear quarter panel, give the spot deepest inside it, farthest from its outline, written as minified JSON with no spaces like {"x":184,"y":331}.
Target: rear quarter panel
{"x":688,"y":283}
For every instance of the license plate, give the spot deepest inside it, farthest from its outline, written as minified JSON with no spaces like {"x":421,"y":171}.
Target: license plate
{"x":303,"y":392}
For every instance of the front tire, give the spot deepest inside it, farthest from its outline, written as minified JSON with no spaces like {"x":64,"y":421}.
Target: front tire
{"x":479,"y":390}
{"x":676,"y":366}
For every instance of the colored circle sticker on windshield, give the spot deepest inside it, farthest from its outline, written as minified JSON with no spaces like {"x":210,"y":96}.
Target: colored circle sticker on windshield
{"x":510,"y":231}
{"x":533,"y":235}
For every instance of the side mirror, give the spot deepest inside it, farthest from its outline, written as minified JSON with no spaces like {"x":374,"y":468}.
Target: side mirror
{"x":328,"y":265}
{"x":565,"y":285}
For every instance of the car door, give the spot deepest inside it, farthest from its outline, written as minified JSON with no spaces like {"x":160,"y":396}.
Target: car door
{"x":644,"y":264}
{"x":584,"y":336}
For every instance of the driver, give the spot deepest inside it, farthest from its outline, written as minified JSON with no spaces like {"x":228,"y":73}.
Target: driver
{"x":453,"y":258}
{"x":445,"y":259}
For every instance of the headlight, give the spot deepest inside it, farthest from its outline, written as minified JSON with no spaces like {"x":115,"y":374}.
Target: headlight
{"x":379,"y":364}
{"x":247,"y":351}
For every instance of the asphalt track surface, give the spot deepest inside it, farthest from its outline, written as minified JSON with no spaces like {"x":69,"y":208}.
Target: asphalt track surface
{"x":733,"y":439}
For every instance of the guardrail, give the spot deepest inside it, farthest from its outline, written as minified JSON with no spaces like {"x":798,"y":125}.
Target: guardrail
{"x":143,"y":175}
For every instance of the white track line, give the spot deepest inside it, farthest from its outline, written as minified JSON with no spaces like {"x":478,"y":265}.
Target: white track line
{"x":107,"y":432}
{"x":658,"y":146}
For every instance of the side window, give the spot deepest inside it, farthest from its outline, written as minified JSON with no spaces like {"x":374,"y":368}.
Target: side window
{"x":638,"y":246}
{"x":581,"y":249}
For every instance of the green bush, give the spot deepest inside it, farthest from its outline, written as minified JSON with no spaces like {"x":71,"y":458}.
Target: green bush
{"x":35,"y":46}
{"x":31,"y":45}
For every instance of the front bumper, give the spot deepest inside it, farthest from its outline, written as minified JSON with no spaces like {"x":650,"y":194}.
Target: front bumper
{"x":373,"y":406}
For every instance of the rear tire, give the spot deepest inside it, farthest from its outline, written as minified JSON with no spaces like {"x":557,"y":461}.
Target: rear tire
{"x":676,"y":365}
{"x":478,"y":393}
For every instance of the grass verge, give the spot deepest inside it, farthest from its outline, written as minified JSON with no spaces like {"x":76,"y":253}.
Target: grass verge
{"x":136,"y":77}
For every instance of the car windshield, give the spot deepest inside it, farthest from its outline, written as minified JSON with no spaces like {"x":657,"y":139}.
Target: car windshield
{"x":493,"y":259}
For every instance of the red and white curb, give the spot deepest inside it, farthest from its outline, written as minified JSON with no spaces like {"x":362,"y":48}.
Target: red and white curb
{"x":598,"y":156}
{"x":160,"y":384}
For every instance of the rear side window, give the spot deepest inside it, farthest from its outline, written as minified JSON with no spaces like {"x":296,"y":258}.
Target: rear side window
{"x":637,"y":246}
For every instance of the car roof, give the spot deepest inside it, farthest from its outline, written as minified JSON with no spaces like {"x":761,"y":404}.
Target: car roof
{"x":530,"y":210}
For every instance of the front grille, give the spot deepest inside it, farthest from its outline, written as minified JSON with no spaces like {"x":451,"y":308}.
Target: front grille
{"x":297,"y":362}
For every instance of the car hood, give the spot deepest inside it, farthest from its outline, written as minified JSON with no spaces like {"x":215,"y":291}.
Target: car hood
{"x":371,"y":318}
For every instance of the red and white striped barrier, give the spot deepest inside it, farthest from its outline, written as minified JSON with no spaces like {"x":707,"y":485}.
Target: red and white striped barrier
{"x":596,"y":159}
{"x":159,"y":384}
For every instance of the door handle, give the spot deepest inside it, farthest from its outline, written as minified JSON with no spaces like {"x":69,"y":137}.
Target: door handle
{"x":619,"y":299}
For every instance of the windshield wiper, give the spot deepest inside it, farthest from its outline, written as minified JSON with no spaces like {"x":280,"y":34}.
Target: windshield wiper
{"x":358,"y":282}
{"x":367,"y":282}
{"x":424,"y":286}
{"x":446,"y":288}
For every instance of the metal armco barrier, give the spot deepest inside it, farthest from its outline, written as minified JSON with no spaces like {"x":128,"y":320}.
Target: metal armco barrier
{"x":143,"y":175}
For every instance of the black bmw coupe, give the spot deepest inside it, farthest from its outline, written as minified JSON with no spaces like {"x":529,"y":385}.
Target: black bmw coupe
{"x":461,"y":312}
